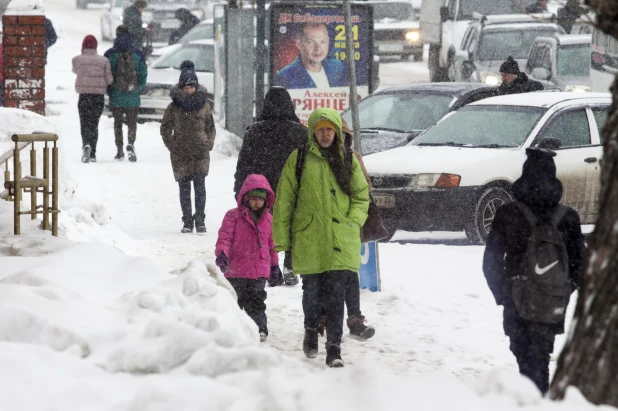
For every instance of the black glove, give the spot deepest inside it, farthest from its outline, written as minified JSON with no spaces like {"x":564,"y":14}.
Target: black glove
{"x":221,"y":262}
{"x":276,"y":278}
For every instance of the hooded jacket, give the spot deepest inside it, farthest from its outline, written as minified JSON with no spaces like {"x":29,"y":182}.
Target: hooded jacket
{"x":325,"y":222}
{"x":248,"y":246}
{"x":188,"y":20}
{"x":541,"y":191}
{"x":522,"y":84}
{"x":94,"y":72}
{"x":117,"y":98}
{"x":269,"y":142}
{"x":188,"y":132}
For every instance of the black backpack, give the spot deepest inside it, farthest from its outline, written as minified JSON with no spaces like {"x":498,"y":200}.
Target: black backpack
{"x":125,"y":77}
{"x":542,"y":292}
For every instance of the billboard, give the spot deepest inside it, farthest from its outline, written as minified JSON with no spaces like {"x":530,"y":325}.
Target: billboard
{"x":309,"y":57}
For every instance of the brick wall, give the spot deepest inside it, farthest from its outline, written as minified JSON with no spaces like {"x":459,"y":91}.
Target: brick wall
{"x":23,"y":38}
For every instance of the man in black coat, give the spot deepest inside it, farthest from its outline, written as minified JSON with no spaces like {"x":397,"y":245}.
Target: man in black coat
{"x":514,"y":81}
{"x":267,"y":145}
{"x":505,"y":254}
{"x":187,"y":21}
{"x":132,"y":18}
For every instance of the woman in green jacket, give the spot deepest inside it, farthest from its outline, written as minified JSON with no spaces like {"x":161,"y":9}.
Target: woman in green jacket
{"x":320,"y":219}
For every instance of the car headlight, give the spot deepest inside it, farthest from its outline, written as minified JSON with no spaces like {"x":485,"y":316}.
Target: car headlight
{"x":199,"y":13}
{"x":577,"y":88}
{"x":491,"y":79}
{"x":147,"y":17}
{"x":442,"y":180}
{"x":413,"y":36}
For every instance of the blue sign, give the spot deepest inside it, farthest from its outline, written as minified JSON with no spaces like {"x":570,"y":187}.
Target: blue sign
{"x":370,"y":267}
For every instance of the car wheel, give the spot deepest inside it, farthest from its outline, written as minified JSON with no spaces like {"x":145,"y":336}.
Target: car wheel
{"x":418,"y":57}
{"x":478,"y":227}
{"x":436,"y":73}
{"x":451,"y":70}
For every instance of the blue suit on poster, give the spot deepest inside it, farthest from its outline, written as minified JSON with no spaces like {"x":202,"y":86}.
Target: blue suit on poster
{"x":295,"y":75}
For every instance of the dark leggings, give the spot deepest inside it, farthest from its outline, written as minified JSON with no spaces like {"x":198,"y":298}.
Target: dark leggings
{"x":90,"y":108}
{"x":326,"y":291}
{"x":199,"y":184}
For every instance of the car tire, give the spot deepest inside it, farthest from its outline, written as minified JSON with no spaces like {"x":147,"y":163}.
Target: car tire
{"x":452,"y":77}
{"x":484,"y":212}
{"x":436,"y":73}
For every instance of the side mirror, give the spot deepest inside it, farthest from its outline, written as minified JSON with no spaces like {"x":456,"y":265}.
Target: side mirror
{"x":444,"y":14}
{"x":540,"y":73}
{"x":550,"y":143}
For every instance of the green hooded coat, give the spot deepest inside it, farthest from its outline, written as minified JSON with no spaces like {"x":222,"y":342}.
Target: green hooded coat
{"x":325,"y":222}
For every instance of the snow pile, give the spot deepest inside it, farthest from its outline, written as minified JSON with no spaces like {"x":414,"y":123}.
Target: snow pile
{"x":25,"y":7}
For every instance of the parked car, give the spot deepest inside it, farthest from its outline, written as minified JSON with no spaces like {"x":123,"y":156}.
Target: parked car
{"x":396,"y":31}
{"x":161,"y":13}
{"x":454,"y":176}
{"x":489,"y":40}
{"x":395,"y":116}
{"x":163,"y":75}
{"x":202,"y":31}
{"x":561,"y":62}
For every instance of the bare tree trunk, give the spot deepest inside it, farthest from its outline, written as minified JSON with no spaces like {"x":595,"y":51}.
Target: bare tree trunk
{"x":589,"y":360}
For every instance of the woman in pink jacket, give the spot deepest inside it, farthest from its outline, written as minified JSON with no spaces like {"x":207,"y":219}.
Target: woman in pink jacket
{"x":245,"y":248}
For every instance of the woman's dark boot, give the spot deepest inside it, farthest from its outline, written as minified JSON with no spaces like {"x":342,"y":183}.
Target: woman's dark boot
{"x":356,"y":324}
{"x":333,"y":356}
{"x":310,"y":343}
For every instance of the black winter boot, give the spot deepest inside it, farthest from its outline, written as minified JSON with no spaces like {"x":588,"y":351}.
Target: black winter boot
{"x":187,"y":224}
{"x":119,"y":155}
{"x":310,"y":343}
{"x":333,"y":356}
{"x":356,"y":324}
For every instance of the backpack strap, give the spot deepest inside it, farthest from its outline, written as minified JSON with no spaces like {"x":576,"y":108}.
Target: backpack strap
{"x":528,"y":214}
{"x":300,"y":163}
{"x":348,"y":161}
{"x":558,"y":214}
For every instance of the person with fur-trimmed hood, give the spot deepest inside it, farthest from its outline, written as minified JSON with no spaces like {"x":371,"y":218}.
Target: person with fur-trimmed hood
{"x":536,"y":193}
{"x":245,"y":249}
{"x":325,"y":211}
{"x":188,"y":131}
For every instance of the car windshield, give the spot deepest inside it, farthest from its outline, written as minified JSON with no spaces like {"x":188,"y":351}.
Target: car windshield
{"x":202,"y":57}
{"x":199,"y":32}
{"x":401,"y":112}
{"x":498,"y":45}
{"x":483,"y":126}
{"x":574,"y":60}
{"x":392,"y":10}
{"x":467,"y":7}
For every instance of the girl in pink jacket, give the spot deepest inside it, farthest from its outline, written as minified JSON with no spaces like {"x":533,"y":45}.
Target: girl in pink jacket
{"x":245,"y":248}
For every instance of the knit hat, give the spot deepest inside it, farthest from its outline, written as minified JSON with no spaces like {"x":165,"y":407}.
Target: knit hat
{"x":187,"y":74}
{"x":122,"y":29}
{"x":539,"y":164}
{"x":324,"y":123}
{"x":510,"y":66}
{"x":90,"y":42}
{"x":258,"y":192}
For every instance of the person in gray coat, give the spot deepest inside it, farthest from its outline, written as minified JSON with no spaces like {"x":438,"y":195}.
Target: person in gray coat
{"x":94,"y":74}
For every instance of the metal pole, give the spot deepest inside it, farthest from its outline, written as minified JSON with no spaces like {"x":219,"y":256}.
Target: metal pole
{"x":46,"y":188}
{"x":260,"y":63}
{"x":16,"y":204}
{"x":352,"y":75}
{"x":55,"y":190}
{"x":33,"y":192}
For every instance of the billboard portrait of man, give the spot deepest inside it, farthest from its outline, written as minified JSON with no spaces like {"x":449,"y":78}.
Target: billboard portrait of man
{"x":312,"y":68}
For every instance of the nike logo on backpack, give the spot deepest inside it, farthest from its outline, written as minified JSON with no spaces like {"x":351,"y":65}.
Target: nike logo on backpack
{"x":541,"y":271}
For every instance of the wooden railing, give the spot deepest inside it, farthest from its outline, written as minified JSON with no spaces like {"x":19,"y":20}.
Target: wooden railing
{"x":31,"y":183}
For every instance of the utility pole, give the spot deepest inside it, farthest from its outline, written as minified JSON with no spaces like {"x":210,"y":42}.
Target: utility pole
{"x":347,"y":8}
{"x":260,"y":63}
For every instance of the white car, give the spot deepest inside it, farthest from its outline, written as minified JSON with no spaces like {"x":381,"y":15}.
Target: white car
{"x":456,"y":174}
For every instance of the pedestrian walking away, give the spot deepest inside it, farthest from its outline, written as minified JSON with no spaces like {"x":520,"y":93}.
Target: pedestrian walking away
{"x":130,"y":73}
{"x":266,"y":146}
{"x":187,"y":21}
{"x":132,"y":18}
{"x":245,"y":249}
{"x":532,"y":264}
{"x":188,"y":131}
{"x":325,"y":209}
{"x":94,"y":75}
{"x":514,"y":81}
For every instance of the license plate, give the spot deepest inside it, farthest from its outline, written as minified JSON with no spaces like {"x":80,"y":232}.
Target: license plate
{"x":384,"y":201}
{"x":390,"y":47}
{"x":170,"y":24}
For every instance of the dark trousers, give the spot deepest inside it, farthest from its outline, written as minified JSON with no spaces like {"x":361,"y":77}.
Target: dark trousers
{"x":90,"y":108}
{"x":251,"y":298}
{"x":199,"y":185}
{"x":532,"y":344}
{"x":287,"y":260}
{"x":119,"y":113}
{"x":352,"y":293}
{"x":328,"y":287}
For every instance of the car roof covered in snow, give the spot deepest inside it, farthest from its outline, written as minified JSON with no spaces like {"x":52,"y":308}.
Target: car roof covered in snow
{"x":452,"y":89}
{"x":544,"y":99}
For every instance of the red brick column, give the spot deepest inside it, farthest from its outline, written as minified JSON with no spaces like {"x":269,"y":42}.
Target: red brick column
{"x":23,"y":38}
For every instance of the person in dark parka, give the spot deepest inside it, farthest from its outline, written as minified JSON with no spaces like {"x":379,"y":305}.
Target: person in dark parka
{"x":50,"y":36}
{"x":540,"y":190}
{"x":267,"y":145}
{"x":187,"y":21}
{"x":514,"y":81}
{"x":132,"y":18}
